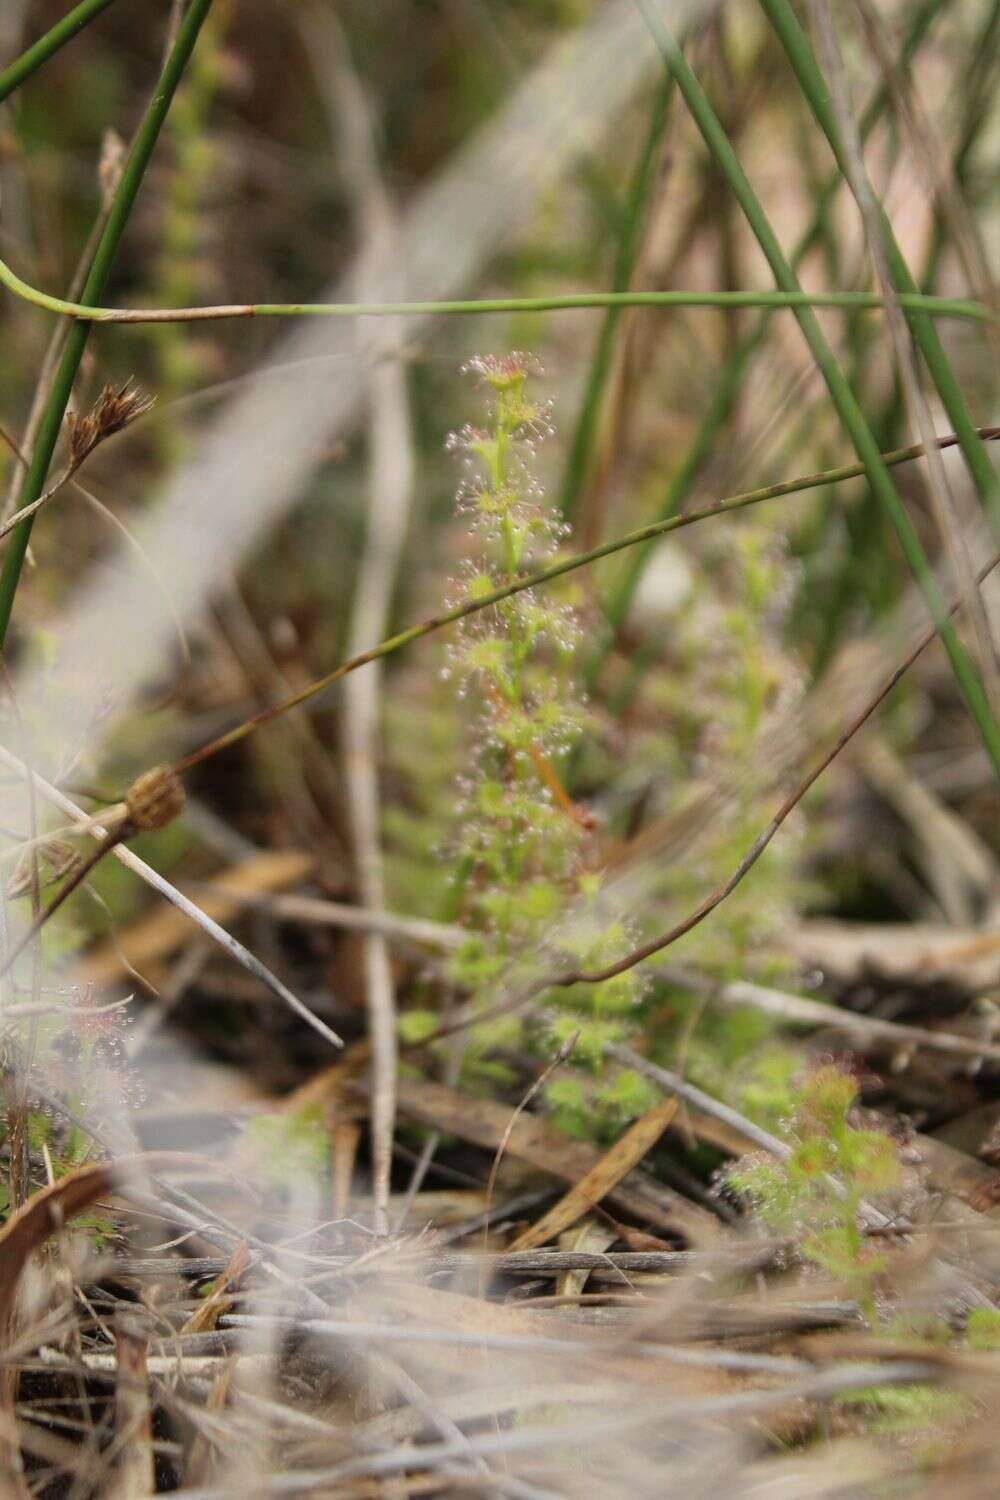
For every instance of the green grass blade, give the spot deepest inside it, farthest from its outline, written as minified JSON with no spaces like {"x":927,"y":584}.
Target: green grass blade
{"x":97,"y":278}
{"x":585,"y":428}
{"x":843,"y":397}
{"x":730,"y":379}
{"x":813,"y":86}
{"x":62,"y":32}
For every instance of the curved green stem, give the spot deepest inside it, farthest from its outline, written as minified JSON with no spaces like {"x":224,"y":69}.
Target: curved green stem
{"x":93,"y":290}
{"x":942,"y":307}
{"x":62,"y":32}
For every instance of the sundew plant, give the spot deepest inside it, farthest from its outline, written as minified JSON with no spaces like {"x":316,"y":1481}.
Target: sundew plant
{"x":524,"y":848}
{"x":818,"y":1191}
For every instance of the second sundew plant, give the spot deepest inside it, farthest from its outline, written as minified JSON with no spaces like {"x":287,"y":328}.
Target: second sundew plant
{"x":525,"y":852}
{"x":816,"y":1194}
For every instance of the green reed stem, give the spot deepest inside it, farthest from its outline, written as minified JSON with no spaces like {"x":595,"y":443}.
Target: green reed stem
{"x":843,"y":397}
{"x":861,"y":571}
{"x":93,"y":289}
{"x":729,"y":381}
{"x":88,"y":312}
{"x":585,"y":430}
{"x":813,"y":86}
{"x":62,"y":32}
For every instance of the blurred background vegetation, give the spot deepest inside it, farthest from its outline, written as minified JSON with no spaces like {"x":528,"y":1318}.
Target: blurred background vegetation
{"x":717,"y":662}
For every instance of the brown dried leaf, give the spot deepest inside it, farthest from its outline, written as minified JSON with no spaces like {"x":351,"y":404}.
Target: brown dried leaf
{"x":220,"y":1300}
{"x":47,"y":1211}
{"x":591,"y":1235}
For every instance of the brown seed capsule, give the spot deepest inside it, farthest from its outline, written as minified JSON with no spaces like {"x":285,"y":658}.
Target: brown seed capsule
{"x":111,"y":412}
{"x":154,"y":799}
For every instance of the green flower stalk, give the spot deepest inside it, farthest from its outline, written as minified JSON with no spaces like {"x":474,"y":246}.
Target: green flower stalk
{"x":525,"y":849}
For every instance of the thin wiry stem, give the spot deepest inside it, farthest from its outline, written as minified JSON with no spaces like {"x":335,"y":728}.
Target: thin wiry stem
{"x":753,"y":854}
{"x":391,"y":449}
{"x":62,"y":32}
{"x":50,"y":425}
{"x":88,"y":312}
{"x":546,"y":575}
{"x":564,"y":979}
{"x":844,"y":400}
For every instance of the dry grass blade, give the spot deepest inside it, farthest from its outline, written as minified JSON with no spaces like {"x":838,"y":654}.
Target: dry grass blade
{"x":391,"y":447}
{"x":152,"y":939}
{"x":134,"y":1473}
{"x":616,"y":1163}
{"x":531,"y":1140}
{"x":798,"y":1010}
{"x":211,"y":928}
{"x":221,"y":1297}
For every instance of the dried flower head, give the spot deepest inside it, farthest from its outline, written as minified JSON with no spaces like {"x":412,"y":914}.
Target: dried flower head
{"x":111,"y":412}
{"x":154,"y":799}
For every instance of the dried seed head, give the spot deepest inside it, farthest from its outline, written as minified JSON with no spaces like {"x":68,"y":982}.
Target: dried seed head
{"x":154,"y":799}
{"x":111,"y":412}
{"x":60,"y":857}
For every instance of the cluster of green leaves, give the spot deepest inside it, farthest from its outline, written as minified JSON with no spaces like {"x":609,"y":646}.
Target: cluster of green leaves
{"x":520,"y":874}
{"x":816,"y":1193}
